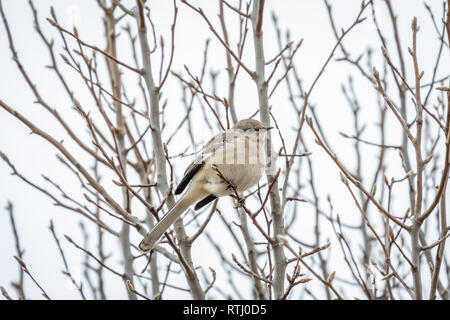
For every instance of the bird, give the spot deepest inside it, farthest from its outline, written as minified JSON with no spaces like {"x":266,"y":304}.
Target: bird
{"x":231,"y":162}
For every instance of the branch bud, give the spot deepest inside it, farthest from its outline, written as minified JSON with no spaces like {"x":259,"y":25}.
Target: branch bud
{"x":391,"y":233}
{"x":428,"y":159}
{"x":283,"y":240}
{"x":374,"y":190}
{"x":343,"y":178}
{"x":87,"y":197}
{"x":331,"y":277}
{"x":325,"y":246}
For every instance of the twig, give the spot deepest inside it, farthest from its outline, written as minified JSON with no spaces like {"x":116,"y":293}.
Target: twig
{"x":25,"y":269}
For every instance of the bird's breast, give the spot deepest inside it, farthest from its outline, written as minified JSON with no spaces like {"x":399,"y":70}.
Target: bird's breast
{"x":240,"y":162}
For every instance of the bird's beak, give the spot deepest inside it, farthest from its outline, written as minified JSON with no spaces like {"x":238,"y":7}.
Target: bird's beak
{"x":268,"y":128}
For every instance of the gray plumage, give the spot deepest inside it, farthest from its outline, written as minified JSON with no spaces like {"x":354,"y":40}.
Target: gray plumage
{"x":238,"y":154}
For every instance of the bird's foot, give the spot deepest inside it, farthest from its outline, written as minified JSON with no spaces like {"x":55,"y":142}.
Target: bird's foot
{"x":240,"y":203}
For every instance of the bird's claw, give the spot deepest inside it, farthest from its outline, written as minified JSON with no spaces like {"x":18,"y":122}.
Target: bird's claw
{"x":240,"y":203}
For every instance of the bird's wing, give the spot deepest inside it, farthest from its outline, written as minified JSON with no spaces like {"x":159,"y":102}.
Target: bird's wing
{"x":205,"y":201}
{"x":188,"y":175}
{"x":214,"y":144}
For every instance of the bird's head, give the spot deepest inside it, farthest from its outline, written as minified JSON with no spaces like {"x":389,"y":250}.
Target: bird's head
{"x":250,"y":124}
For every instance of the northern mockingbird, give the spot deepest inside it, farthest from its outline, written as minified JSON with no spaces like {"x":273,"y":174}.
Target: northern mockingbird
{"x":232,"y":161}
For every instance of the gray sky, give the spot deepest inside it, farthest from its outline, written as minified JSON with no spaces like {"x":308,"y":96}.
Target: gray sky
{"x":32,"y":156}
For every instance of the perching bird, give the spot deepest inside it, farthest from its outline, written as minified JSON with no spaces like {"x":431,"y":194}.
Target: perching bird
{"x":232,"y":161}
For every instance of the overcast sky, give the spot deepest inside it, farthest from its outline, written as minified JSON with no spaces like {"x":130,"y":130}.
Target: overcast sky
{"x":306,"y":19}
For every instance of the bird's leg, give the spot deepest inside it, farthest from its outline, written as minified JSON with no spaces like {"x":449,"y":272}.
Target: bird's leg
{"x":229,"y":183}
{"x":240,"y":202}
{"x":230,"y":186}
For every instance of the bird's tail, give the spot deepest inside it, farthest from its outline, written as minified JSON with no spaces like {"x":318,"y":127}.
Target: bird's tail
{"x":153,"y":236}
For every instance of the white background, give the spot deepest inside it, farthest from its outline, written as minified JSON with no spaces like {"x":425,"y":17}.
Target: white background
{"x":33,"y":156}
